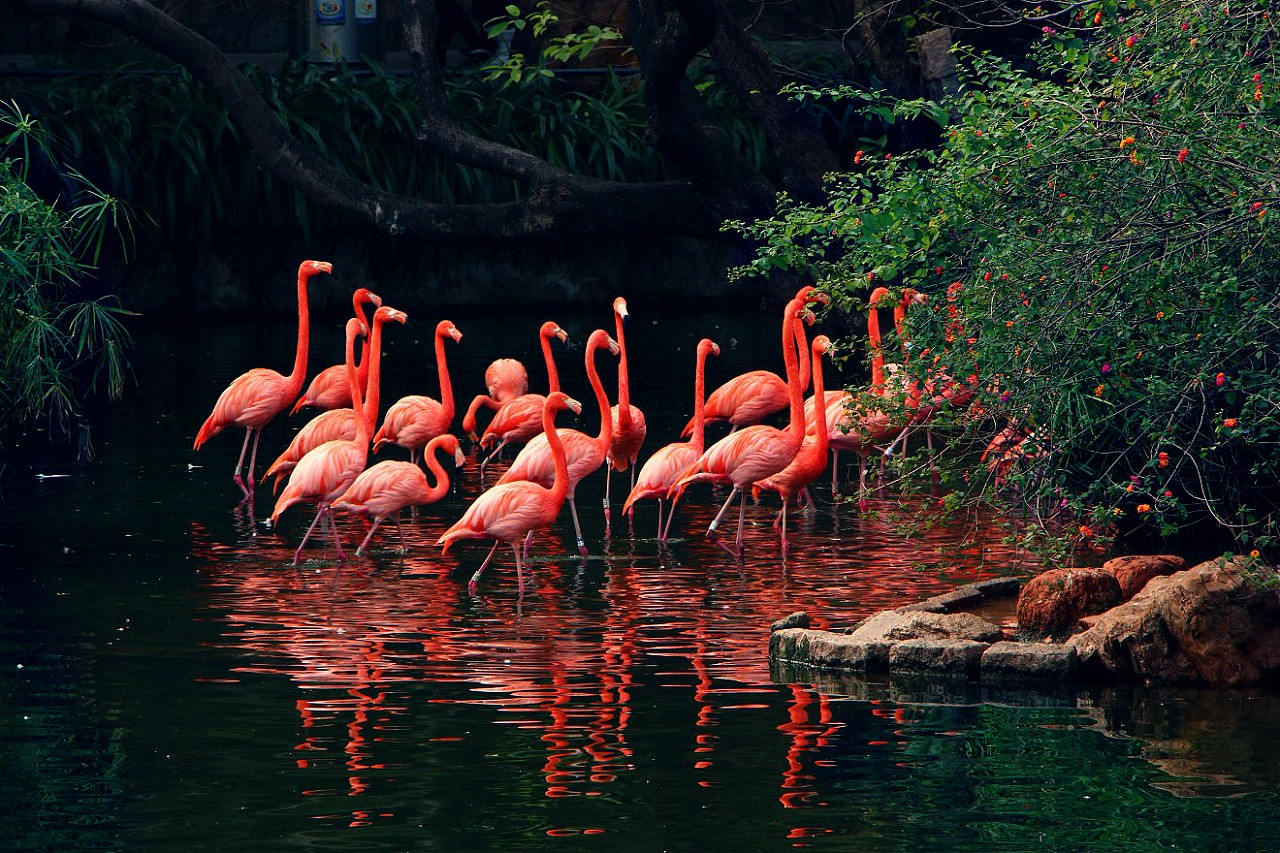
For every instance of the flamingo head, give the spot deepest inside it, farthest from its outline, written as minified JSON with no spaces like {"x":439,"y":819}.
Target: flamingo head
{"x":365,"y":296}
{"x":552,"y":330}
{"x":445,"y":328}
{"x":877,"y":296}
{"x":809,"y":293}
{"x":706,"y":346}
{"x":620,"y":307}
{"x":386,"y":312}
{"x":309,"y":268}
{"x":821,"y":345}
{"x":558,"y":401}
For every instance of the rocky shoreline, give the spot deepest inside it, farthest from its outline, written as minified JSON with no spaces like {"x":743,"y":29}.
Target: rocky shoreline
{"x":1136,"y":619}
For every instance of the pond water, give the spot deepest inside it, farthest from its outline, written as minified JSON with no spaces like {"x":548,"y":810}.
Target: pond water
{"x":170,"y":681}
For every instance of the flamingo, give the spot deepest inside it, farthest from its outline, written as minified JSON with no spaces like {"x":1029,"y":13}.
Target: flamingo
{"x":750,"y":397}
{"x":510,"y":512}
{"x":629,"y":429}
{"x":661,"y":469}
{"x":504,"y":379}
{"x":521,"y":419}
{"x":860,"y":423}
{"x":254,"y":398}
{"x":329,"y":470}
{"x":811,"y":459}
{"x":335,"y":424}
{"x":390,"y":486}
{"x":414,"y":420}
{"x":329,"y":389}
{"x":755,"y":452}
{"x":585,"y":454}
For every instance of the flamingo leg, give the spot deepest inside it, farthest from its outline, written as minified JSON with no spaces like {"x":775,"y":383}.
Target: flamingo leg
{"x":835,"y":473}
{"x":660,"y":536}
{"x":742,"y":518}
{"x":337,"y":540}
{"x":474,"y":583}
{"x":608,"y":478}
{"x":715,"y":522}
{"x":492,"y":455}
{"x":577,"y":528}
{"x":253,"y":458}
{"x":297,"y":555}
{"x":244,"y":448}
{"x":515,"y":549}
{"x":404,"y":546}
{"x":369,"y":535}
{"x":782,"y":514}
{"x":671,"y":514}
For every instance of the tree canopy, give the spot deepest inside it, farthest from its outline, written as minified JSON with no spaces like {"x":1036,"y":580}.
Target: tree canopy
{"x":1095,"y":234}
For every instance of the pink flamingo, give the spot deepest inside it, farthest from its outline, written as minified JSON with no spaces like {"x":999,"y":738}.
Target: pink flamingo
{"x":329,"y":389}
{"x":329,"y":470}
{"x":865,"y":421}
{"x":510,"y":512}
{"x":521,"y":419}
{"x":811,"y":460}
{"x":629,"y":428}
{"x":504,"y":379}
{"x":390,"y":486}
{"x":756,"y":452}
{"x":585,"y":454}
{"x":750,"y":397}
{"x":335,"y":424}
{"x":414,"y":420}
{"x":254,"y":398}
{"x":662,"y":468}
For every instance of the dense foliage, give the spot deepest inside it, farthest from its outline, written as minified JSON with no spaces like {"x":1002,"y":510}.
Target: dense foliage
{"x":1096,"y":239}
{"x":58,"y":344}
{"x":161,"y":141}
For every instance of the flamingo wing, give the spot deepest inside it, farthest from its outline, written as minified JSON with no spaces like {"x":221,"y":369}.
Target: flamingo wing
{"x":505,"y":512}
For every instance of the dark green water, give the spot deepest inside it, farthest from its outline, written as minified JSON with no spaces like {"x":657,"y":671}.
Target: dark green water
{"x":169,"y":681}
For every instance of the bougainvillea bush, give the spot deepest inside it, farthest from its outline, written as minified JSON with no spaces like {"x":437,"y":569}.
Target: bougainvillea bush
{"x":1095,"y":235}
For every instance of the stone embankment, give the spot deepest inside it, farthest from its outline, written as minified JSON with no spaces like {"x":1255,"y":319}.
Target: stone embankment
{"x":1141,"y":619}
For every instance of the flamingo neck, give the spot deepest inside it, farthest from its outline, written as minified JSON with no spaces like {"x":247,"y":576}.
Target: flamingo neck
{"x":469,"y":417}
{"x":437,"y":477}
{"x":553,"y":376}
{"x":624,"y":380}
{"x":369,"y":416}
{"x":602,"y":399}
{"x":819,"y":403}
{"x":446,"y":385}
{"x":357,"y":395}
{"x":699,"y":438}
{"x":795,"y":393}
{"x":877,"y":352}
{"x":560,"y":485}
{"x":900,"y":326}
{"x":802,"y":350}
{"x":363,"y":368}
{"x":299,"y":373}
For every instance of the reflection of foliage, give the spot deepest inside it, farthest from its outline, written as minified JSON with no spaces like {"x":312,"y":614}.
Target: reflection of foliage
{"x":1096,"y":238}
{"x":541,"y":23}
{"x":56,"y":346}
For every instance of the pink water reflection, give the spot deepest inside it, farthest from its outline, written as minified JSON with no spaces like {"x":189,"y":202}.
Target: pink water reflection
{"x":563,"y":662}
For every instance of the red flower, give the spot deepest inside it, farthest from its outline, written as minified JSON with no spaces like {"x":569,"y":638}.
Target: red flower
{"x":857,"y":158}
{"x":1229,"y":423}
{"x":1182,"y":155}
{"x":1220,"y":379}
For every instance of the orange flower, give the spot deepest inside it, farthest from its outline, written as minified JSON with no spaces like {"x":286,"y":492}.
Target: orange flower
{"x":1097,"y":392}
{"x":1182,"y":155}
{"x":1163,"y":458}
{"x":1229,"y":423}
{"x":1128,"y":140}
{"x":1159,"y":315}
{"x":1255,"y":553}
{"x":1144,"y":507}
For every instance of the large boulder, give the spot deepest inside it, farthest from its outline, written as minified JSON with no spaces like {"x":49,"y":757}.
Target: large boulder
{"x":1134,"y":570}
{"x":1217,"y":624}
{"x":1051,"y":603}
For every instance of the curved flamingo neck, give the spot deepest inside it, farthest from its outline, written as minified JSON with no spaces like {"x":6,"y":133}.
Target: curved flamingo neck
{"x":446,"y":385}
{"x":553,"y":376}
{"x":374,"y":379}
{"x":877,"y":351}
{"x":357,"y":395}
{"x":624,"y":380}
{"x":469,"y":417}
{"x":299,"y":373}
{"x":819,"y":401}
{"x":362,"y":370}
{"x":560,"y":485}
{"x":593,"y":376}
{"x":438,"y":478}
{"x":789,"y":344}
{"x":699,"y":437}
{"x":900,"y":327}
{"x":802,"y":349}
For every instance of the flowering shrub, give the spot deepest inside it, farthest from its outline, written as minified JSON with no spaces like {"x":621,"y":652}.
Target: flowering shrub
{"x":1102,"y":216}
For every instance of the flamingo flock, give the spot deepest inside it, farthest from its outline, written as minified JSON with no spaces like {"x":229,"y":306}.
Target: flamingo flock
{"x":327,"y":463}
